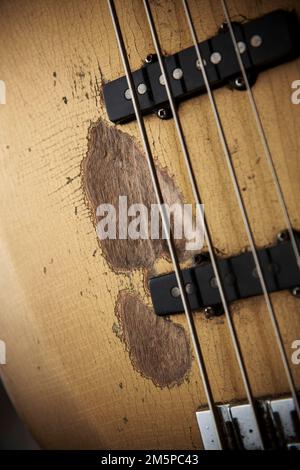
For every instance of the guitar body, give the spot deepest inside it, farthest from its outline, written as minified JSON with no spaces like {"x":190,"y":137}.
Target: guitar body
{"x":89,"y":364}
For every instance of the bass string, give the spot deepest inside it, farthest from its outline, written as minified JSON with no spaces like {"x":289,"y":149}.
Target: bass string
{"x":233,"y":333}
{"x":170,"y":240}
{"x":274,"y":322}
{"x":263,"y":136}
{"x":197,"y":197}
{"x":248,"y":229}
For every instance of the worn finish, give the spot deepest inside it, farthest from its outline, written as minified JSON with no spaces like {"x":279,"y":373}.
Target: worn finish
{"x":60,"y":289}
{"x":158,"y":348}
{"x":115,"y":167}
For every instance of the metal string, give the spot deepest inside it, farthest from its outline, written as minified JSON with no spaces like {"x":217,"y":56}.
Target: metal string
{"x":248,"y":230}
{"x":233,"y":333}
{"x":170,"y":240}
{"x":197,"y":197}
{"x":263,"y":136}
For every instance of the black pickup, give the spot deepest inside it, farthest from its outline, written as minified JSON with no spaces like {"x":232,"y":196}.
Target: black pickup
{"x":270,"y":40}
{"x":239,"y":277}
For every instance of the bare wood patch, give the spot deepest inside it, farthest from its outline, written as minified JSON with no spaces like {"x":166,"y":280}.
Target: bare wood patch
{"x":158,"y":348}
{"x":114,"y":167}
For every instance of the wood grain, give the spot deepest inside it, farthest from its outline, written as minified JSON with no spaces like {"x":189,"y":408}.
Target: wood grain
{"x":158,"y":348}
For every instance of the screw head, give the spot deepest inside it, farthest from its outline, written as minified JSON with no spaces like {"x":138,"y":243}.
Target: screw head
{"x":239,"y":82}
{"x":150,"y":58}
{"x":215,"y":58}
{"x":224,"y":28}
{"x":177,"y":74}
{"x":162,"y":80}
{"x":256,"y":41}
{"x":127,"y":94}
{"x":175,"y":292}
{"x":296,"y":292}
{"x":282,"y":236}
{"x":189,"y":288}
{"x":242,"y":47}
{"x":209,"y":312}
{"x":164,"y":113}
{"x":142,"y":88}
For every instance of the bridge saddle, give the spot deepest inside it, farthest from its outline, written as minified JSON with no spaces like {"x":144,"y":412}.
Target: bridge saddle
{"x":278,"y":420}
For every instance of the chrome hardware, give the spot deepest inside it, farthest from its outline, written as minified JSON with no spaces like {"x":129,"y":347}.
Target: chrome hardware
{"x":239,"y":83}
{"x":164,"y":113}
{"x":150,"y":58}
{"x":207,"y":430}
{"x":240,"y":431}
{"x":296,"y":291}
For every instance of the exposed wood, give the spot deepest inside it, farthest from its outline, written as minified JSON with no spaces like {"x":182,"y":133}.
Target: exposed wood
{"x":115,"y":168}
{"x":158,"y":348}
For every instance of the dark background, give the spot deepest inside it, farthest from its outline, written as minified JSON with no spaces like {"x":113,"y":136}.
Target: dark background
{"x":13,"y":433}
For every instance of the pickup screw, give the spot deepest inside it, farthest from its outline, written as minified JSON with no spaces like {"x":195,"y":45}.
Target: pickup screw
{"x":209,"y":312}
{"x":224,"y":28}
{"x":239,"y":83}
{"x":150,"y":58}
{"x":296,"y":292}
{"x":164,"y":113}
{"x":282,"y":236}
{"x":256,"y":41}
